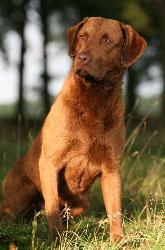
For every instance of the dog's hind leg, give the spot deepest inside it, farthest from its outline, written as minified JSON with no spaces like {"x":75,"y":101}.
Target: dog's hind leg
{"x":18,"y":192}
{"x":80,"y":205}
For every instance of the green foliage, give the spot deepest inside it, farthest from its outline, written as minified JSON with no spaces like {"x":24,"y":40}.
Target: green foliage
{"x":135,"y":14}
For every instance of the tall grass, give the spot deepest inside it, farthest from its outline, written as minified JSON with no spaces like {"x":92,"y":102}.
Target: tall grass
{"x":143,"y":202}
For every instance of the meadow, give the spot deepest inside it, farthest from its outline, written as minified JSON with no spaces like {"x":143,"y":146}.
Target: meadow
{"x":143,"y":199}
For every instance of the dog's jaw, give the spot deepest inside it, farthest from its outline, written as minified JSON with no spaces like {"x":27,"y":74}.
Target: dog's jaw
{"x":106,"y":82}
{"x":85,"y":76}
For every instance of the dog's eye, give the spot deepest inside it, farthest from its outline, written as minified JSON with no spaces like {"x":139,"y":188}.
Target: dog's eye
{"x":105,"y":39}
{"x":108,"y":41}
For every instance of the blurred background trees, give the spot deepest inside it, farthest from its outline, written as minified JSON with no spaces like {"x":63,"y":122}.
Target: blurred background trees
{"x":54,"y":18}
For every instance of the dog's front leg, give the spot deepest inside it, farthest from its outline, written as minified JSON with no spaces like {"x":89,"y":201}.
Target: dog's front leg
{"x":111,"y":188}
{"x":49,"y":185}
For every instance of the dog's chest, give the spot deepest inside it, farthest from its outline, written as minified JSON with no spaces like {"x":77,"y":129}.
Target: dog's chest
{"x":90,"y":115}
{"x":82,"y":168}
{"x":87,"y":148}
{"x":77,"y":176}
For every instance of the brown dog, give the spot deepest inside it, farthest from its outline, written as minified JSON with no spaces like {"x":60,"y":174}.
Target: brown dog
{"x":83,"y":134}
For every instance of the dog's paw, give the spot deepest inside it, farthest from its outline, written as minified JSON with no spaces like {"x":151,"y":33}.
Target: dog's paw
{"x":5,"y":211}
{"x":55,"y":234}
{"x":55,"y":226}
{"x":116,"y":238}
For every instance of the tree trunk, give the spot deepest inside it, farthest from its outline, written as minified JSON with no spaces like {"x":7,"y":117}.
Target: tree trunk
{"x":20,"y":103}
{"x":45,"y":75}
{"x":162,"y":52}
{"x":131,"y":95}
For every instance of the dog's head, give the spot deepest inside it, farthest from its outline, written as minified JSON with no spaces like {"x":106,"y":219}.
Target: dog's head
{"x":102,"y":48}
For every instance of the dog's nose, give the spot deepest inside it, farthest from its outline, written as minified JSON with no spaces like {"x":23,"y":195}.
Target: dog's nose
{"x":84,"y":58}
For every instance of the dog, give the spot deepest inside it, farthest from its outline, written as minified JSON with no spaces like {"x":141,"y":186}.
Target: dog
{"x":83,"y":135}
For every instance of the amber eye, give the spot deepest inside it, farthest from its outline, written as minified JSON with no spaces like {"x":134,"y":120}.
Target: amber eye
{"x":108,"y":41}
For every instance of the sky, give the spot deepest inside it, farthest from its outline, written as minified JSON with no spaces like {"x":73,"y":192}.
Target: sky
{"x":59,"y":63}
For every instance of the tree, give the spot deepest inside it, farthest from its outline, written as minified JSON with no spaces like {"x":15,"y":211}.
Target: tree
{"x":159,"y":12}
{"x":21,"y":66}
{"x":156,"y":11}
{"x":43,"y":11}
{"x":14,"y":15}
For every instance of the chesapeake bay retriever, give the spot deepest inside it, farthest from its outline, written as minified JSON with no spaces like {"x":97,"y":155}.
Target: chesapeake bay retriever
{"x":83,"y":135}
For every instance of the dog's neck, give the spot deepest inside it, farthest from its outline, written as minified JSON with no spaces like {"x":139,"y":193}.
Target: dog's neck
{"x":92,"y":97}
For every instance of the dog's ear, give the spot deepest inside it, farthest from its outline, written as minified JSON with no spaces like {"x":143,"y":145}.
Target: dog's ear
{"x":72,"y":36}
{"x":133,"y":45}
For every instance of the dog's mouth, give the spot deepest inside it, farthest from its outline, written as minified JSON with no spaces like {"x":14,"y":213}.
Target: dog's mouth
{"x":87,"y":77}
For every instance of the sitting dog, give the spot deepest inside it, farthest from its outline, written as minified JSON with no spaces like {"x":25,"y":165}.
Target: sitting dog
{"x":83,"y":135}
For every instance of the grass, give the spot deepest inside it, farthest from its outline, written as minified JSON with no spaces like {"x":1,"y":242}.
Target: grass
{"x":143,"y":202}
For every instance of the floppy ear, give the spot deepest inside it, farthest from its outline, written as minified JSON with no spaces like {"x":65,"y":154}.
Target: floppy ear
{"x":72,"y":36}
{"x":133,"y":46}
